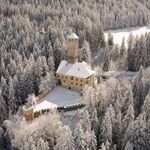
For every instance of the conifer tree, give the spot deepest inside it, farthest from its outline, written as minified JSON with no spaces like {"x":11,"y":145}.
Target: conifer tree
{"x":122,"y":48}
{"x":85,"y":121}
{"x":110,"y":40}
{"x":129,"y":116}
{"x":93,"y":143}
{"x":79,"y":137}
{"x":136,"y":134}
{"x":130,"y":59}
{"x":65,"y":141}
{"x":4,"y":89}
{"x":139,"y":92}
{"x":106,"y":64}
{"x":106,"y":127}
{"x":13,"y":105}
{"x":42,"y":145}
{"x":146,"y":106}
{"x":50,"y":63}
{"x":85,"y":53}
{"x":3,"y":108}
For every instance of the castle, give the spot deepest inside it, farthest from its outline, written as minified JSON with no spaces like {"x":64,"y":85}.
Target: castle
{"x":71,"y":73}
{"x":72,"y":76}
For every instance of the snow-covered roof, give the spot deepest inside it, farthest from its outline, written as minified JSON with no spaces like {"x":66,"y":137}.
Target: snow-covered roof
{"x":73,"y":36}
{"x":78,"y":69}
{"x":59,"y":96}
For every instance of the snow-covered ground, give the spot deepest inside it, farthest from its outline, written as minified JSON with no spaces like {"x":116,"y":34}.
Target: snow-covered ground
{"x":59,"y":97}
{"x":118,"y":34}
{"x":121,"y":74}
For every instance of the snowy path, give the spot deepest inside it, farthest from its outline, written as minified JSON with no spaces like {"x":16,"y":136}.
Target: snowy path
{"x":118,"y":34}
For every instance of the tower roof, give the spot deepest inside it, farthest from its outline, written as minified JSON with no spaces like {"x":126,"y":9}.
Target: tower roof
{"x":73,"y":36}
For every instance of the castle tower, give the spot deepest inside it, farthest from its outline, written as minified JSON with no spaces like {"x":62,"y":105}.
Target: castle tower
{"x":72,"y":50}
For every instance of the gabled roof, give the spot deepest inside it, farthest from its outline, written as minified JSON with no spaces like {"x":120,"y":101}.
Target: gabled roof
{"x":73,"y":36}
{"x":78,"y":69}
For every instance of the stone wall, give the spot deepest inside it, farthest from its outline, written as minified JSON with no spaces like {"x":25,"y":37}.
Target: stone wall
{"x":29,"y":114}
{"x":42,"y":95}
{"x":74,"y":83}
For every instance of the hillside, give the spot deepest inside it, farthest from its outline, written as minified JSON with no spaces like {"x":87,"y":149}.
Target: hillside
{"x":33,"y":43}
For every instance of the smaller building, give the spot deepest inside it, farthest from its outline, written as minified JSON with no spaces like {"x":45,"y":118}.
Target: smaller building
{"x":28,"y":113}
{"x":75,"y":76}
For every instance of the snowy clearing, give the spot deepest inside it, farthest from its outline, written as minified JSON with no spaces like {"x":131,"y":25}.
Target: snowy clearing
{"x":121,"y":74}
{"x":59,"y":97}
{"x":118,"y":34}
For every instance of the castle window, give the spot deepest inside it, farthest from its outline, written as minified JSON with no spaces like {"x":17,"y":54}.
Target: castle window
{"x":66,"y":77}
{"x":76,"y":83}
{"x":62,"y":77}
{"x":76,"y":79}
{"x":81,"y":80}
{"x":71,"y":82}
{"x":80,"y":84}
{"x":64,"y":81}
{"x":71,"y":78}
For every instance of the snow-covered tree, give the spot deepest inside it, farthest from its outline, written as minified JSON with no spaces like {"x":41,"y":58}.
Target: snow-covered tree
{"x":122,"y":48}
{"x":136,"y":134}
{"x":93,"y":141}
{"x":129,"y":50}
{"x":106,"y":127}
{"x":139,"y":92}
{"x":85,"y":53}
{"x":106,"y":64}
{"x":123,"y":56}
{"x":129,"y":146}
{"x":42,"y":145}
{"x":4,"y":89}
{"x":47,"y":83}
{"x":79,"y":138}
{"x":146,"y":106}
{"x":3,"y":108}
{"x":110,"y":41}
{"x":50,"y":63}
{"x":12,"y":100}
{"x":65,"y":140}
{"x":129,"y":116}
{"x":85,"y":121}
